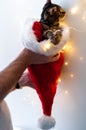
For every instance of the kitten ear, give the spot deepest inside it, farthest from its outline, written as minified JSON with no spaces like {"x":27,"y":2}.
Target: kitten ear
{"x":48,"y":1}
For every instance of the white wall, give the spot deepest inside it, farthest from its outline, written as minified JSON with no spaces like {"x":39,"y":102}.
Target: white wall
{"x":69,"y":105}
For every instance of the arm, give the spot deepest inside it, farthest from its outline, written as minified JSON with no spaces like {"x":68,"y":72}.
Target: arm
{"x":11,"y":74}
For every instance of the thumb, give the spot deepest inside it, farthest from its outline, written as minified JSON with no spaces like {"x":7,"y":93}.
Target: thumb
{"x":54,"y":58}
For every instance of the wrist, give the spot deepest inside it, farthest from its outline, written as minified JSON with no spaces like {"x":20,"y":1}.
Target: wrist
{"x":25,"y":57}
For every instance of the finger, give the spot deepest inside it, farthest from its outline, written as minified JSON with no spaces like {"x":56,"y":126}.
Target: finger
{"x":55,"y":58}
{"x":56,"y":55}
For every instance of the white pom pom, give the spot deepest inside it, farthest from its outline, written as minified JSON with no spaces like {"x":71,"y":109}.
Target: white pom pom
{"x":46,"y":122}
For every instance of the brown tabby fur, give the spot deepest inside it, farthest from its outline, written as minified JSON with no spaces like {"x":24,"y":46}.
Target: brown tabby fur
{"x":50,"y":19}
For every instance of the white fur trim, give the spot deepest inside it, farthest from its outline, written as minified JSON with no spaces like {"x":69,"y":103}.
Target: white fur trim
{"x":45,"y":47}
{"x":46,"y":122}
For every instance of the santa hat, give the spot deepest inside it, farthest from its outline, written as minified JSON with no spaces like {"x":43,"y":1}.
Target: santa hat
{"x":45,"y":76}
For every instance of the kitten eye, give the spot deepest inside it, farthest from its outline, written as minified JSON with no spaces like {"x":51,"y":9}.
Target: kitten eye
{"x":61,"y":10}
{"x":47,"y":12}
{"x":52,"y":10}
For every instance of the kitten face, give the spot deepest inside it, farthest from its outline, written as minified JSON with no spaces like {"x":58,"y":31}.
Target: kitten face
{"x":51,"y":14}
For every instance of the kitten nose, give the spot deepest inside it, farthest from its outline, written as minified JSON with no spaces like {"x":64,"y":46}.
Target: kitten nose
{"x":63,"y":13}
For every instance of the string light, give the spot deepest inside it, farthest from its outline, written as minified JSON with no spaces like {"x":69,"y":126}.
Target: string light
{"x":68,"y":48}
{"x":71,"y":75}
{"x":59,"y":80}
{"x":66,"y":63}
{"x":81,"y":58}
{"x":66,"y":91}
{"x":79,"y":22}
{"x":46,"y":46}
{"x":84,"y":16}
{"x":74,"y":10}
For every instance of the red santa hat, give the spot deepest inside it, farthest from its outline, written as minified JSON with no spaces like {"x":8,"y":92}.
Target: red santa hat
{"x":45,"y":76}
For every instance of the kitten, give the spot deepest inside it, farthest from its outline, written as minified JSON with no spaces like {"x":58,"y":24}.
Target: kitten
{"x":51,"y":16}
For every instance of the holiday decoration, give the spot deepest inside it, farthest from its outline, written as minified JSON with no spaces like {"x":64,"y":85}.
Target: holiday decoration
{"x":78,"y":16}
{"x":69,"y":105}
{"x":46,"y":37}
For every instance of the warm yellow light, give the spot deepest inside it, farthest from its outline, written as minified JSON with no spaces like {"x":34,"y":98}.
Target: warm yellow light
{"x":81,"y":58}
{"x":67,"y":47}
{"x":63,"y":24}
{"x":66,"y":63}
{"x":74,"y":10}
{"x":71,"y":75}
{"x":84,"y":17}
{"x":64,"y":47}
{"x":66,"y":92}
{"x":47,"y":46}
{"x":59,"y":80}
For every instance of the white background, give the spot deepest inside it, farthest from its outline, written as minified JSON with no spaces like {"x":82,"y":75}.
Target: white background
{"x":69,"y":108}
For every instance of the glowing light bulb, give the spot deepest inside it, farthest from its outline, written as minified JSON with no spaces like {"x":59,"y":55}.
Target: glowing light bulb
{"x":71,"y":75}
{"x":81,"y":58}
{"x":59,"y":80}
{"x":46,"y":46}
{"x":66,"y":63}
{"x":84,"y":18}
{"x":68,"y":48}
{"x":64,"y":47}
{"x":66,"y":91}
{"x":74,"y":10}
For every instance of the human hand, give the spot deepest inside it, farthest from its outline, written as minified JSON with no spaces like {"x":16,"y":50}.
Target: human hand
{"x":35,"y":58}
{"x":25,"y":81}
